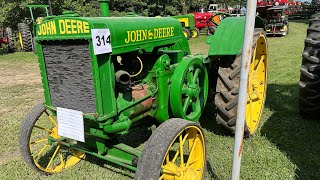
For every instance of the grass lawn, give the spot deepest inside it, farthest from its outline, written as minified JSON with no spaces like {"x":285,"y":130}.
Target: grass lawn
{"x":285,"y":147}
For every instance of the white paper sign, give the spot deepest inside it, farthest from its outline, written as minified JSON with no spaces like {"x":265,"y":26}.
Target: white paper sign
{"x":101,"y":40}
{"x":70,"y":124}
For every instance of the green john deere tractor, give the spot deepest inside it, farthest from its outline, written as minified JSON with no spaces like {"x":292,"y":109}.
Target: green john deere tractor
{"x":309,"y":99}
{"x":103,"y":77}
{"x":26,"y":31}
{"x":188,"y":26}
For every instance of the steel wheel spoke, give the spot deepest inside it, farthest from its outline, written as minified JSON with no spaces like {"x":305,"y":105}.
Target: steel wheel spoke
{"x":181,"y":151}
{"x":169,"y":170}
{"x":61,"y":159}
{"x":186,"y":104}
{"x":53,"y":156}
{"x":191,"y":151}
{"x":45,"y":129}
{"x":41,"y":151}
{"x":51,"y":118}
{"x":161,"y":177}
{"x":196,"y":75}
{"x":167,"y":159}
{"x":196,"y":105}
{"x":38,"y":141}
{"x":177,"y":152}
{"x":190,"y":75}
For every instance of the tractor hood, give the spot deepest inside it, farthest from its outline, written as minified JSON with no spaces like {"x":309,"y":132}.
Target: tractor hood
{"x":126,"y":33}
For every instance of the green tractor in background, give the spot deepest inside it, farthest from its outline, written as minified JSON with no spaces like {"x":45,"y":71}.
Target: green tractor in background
{"x":105,"y":76}
{"x":26,"y":31}
{"x":188,"y":26}
{"x":309,"y":84}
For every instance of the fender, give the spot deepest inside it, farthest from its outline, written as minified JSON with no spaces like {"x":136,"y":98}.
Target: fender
{"x":228,"y":38}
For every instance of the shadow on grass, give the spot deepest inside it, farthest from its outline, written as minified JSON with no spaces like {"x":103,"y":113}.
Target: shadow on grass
{"x":298,"y":138}
{"x":139,"y":134}
{"x":117,"y":169}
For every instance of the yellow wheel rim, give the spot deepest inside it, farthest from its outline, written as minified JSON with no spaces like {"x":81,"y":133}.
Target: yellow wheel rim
{"x":185,"y":157}
{"x":185,"y":34}
{"x":256,"y":85}
{"x":48,"y":155}
{"x":20,"y":40}
{"x":194,"y":33}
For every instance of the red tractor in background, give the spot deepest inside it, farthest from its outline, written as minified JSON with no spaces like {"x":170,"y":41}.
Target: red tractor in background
{"x":208,"y":20}
{"x":6,"y":39}
{"x":264,"y":5}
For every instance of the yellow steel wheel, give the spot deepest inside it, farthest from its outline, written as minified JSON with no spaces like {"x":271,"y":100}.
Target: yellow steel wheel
{"x":257,"y":84}
{"x":195,"y":33}
{"x":38,"y":146}
{"x":227,"y":87}
{"x":176,"y":150}
{"x":20,"y":40}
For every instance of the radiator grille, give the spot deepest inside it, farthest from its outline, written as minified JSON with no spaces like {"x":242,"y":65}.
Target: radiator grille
{"x":69,"y":73}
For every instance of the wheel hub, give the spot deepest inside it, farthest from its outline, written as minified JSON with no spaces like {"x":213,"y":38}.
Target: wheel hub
{"x":256,"y":86}
{"x":194,"y":90}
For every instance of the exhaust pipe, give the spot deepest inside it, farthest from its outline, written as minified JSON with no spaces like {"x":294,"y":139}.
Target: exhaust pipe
{"x":123,"y":77}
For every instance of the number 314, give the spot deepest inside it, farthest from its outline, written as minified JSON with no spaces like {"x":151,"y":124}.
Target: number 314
{"x":102,"y":40}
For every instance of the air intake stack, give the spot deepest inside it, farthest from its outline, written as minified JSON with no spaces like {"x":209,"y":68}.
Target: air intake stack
{"x":104,"y":6}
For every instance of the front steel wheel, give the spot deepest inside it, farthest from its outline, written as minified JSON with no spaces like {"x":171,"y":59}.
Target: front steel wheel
{"x":38,"y":147}
{"x":189,"y":89}
{"x":176,"y":150}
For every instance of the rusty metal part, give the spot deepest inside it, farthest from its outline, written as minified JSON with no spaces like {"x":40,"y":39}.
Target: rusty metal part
{"x":139,"y":92}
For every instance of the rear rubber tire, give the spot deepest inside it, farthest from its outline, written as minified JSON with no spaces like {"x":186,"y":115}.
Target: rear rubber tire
{"x":9,"y":35}
{"x":309,"y":85}
{"x":227,"y":88}
{"x":34,"y":48}
{"x":211,"y":30}
{"x":26,"y":37}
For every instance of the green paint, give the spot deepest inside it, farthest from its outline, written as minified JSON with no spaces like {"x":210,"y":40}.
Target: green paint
{"x":189,"y":88}
{"x":166,"y":59}
{"x":104,"y":6}
{"x":43,"y":72}
{"x":228,"y":38}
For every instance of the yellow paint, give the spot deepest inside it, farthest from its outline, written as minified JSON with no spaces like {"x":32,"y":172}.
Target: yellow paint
{"x":144,"y":34}
{"x":185,"y":21}
{"x":79,"y":26}
{"x":63,"y":26}
{"x":56,"y":156}
{"x":191,"y":154}
{"x":85,"y":27}
{"x":257,"y":85}
{"x":20,"y":40}
{"x":185,"y":34}
{"x":68,"y":26}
